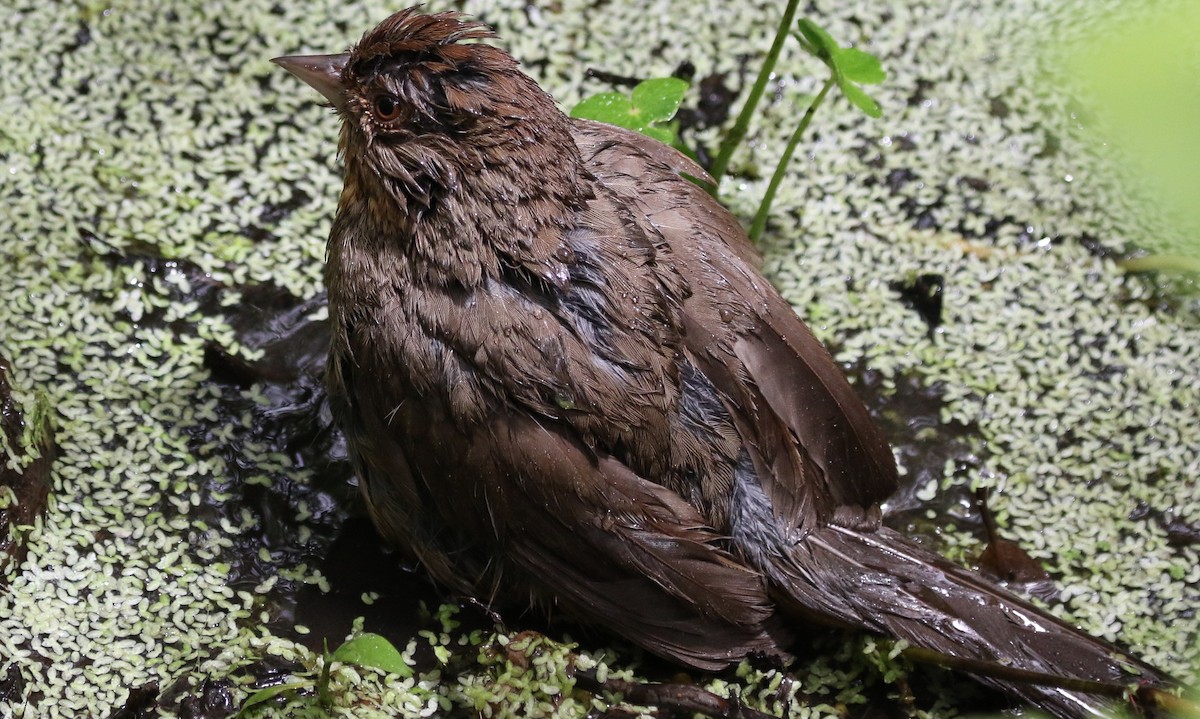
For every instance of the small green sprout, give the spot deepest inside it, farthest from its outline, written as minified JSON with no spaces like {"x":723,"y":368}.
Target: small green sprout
{"x":652,"y":103}
{"x":742,"y":125}
{"x":262,"y":696}
{"x":848,"y":67}
{"x":655,"y":101}
{"x":364,"y":650}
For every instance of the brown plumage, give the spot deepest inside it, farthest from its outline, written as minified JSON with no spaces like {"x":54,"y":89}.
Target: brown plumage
{"x":563,"y":377}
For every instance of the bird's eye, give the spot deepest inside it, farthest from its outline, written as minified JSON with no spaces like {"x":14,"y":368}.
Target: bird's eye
{"x":387,"y":108}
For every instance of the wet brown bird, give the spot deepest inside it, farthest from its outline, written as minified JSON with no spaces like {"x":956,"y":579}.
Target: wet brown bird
{"x":562,"y":376}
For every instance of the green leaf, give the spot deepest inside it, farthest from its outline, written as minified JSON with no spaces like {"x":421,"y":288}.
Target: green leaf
{"x":819,"y":43}
{"x":373,"y":651}
{"x":653,"y":101}
{"x":265,"y":695}
{"x":664,"y":135}
{"x":610,"y":107}
{"x":657,"y":99}
{"x":860,"y":99}
{"x":858,"y":66}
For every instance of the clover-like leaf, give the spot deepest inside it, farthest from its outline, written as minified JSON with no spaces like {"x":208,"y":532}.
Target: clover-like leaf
{"x":665,"y":135}
{"x":657,"y":99}
{"x":849,"y":65}
{"x":859,"y":66}
{"x":815,"y":40}
{"x":611,"y":107}
{"x":860,"y":99}
{"x":373,"y":651}
{"x":652,"y":101}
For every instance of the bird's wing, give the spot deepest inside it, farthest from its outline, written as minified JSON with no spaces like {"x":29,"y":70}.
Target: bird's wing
{"x":608,"y":543}
{"x":815,"y":450}
{"x":398,"y":506}
{"x":536,"y":510}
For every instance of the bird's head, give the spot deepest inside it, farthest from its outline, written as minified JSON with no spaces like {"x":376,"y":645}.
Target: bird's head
{"x":411,"y":75}
{"x":426,"y":113}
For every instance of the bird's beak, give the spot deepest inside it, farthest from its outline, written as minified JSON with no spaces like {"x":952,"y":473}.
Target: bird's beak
{"x":322,"y":72}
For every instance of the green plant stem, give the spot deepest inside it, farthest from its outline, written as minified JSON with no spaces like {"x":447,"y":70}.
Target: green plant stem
{"x":742,"y":125}
{"x":764,"y":208}
{"x":1161,"y":263}
{"x":323,"y":694}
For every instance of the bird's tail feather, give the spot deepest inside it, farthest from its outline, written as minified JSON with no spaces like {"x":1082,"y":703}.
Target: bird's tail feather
{"x":882,"y":582}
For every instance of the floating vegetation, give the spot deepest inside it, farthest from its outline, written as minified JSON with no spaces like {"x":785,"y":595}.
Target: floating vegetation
{"x":166,"y":197}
